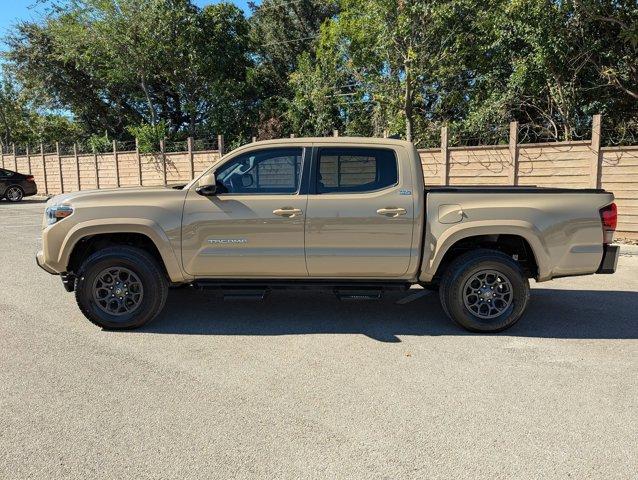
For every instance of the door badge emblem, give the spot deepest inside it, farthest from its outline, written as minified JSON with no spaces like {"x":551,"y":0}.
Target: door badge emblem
{"x":227,"y":241}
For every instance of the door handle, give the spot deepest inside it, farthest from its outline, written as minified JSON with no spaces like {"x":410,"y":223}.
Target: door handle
{"x":392,"y":211}
{"x":288,"y":212}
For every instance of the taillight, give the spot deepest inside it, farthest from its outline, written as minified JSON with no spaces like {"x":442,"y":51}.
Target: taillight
{"x":609,"y":218}
{"x":30,"y":178}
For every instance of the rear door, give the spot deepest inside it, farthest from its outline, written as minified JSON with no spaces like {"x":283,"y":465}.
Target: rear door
{"x":254,"y":225}
{"x":360,"y":214}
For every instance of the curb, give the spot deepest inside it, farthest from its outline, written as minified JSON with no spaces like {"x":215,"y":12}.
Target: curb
{"x":629,"y":250}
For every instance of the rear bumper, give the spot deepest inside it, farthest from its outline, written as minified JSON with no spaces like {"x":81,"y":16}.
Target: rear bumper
{"x":30,"y":188}
{"x":610,"y":259}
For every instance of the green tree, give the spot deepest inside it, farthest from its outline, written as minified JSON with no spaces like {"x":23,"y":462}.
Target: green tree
{"x":393,"y":60}
{"x":407,"y":66}
{"x":166,"y":67}
{"x":129,"y":62}
{"x":552,"y":65}
{"x":22,"y":123}
{"x":281,"y":32}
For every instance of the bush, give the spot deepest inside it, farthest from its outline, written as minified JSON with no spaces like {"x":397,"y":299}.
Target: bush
{"x":148,"y":136}
{"x":100,"y":143}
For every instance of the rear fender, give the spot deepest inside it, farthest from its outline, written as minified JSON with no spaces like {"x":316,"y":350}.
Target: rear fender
{"x":436,"y":250}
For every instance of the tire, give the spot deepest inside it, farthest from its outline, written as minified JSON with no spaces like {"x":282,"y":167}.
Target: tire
{"x":474,"y":291}
{"x":14,"y":194}
{"x":147,"y":281}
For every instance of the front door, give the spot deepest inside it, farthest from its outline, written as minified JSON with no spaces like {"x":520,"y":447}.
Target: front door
{"x":360,"y":215}
{"x":254,"y":225}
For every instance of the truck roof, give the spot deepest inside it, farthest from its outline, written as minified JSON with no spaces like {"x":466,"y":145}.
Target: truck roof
{"x":333,"y":140}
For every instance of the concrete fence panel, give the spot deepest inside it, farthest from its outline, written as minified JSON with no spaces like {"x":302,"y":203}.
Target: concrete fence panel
{"x":576,"y":164}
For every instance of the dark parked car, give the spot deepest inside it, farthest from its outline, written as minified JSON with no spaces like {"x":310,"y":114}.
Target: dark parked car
{"x":15,"y":186}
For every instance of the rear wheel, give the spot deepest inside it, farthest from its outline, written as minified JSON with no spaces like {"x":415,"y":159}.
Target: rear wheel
{"x":484,"y":291}
{"x":120,"y":287}
{"x":14,"y":193}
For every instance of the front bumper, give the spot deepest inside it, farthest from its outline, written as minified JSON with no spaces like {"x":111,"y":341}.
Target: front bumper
{"x":610,"y":259}
{"x":39,"y":259}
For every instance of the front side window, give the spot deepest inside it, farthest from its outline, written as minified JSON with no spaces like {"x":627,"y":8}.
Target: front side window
{"x":355,"y":170}
{"x":276,"y":170}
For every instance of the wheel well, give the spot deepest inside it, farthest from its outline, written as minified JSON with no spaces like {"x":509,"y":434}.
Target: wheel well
{"x":92,"y":243}
{"x":512,"y":245}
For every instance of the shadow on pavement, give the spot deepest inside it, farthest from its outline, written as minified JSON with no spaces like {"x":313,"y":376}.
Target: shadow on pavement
{"x":552,"y":313}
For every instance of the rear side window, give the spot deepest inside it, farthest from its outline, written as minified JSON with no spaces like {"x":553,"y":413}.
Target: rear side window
{"x":6,"y":173}
{"x":355,"y":170}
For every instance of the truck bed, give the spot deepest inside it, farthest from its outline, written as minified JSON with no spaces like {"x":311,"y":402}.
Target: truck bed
{"x":508,"y":189}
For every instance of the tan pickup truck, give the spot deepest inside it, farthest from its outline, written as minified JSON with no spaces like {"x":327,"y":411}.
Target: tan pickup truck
{"x":348,"y":214}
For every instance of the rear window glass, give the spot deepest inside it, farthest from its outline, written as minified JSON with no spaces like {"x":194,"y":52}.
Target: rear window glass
{"x":355,"y":169}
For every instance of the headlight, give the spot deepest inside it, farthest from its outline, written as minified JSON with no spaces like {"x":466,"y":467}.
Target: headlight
{"x":55,"y":213}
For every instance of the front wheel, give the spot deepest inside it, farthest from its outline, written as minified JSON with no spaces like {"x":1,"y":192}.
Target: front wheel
{"x":120,"y":287}
{"x":484,"y":291}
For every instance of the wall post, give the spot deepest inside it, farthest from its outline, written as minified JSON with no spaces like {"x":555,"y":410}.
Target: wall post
{"x":254,"y":139}
{"x":139,"y":160}
{"x":292,"y":135}
{"x":117,"y":164}
{"x":28,"y":157}
{"x":513,"y":147}
{"x":162,"y":150}
{"x":335,"y":133}
{"x":445,"y":157}
{"x":191,"y":159}
{"x":44,"y":169}
{"x":77,"y":164}
{"x":97,"y":171}
{"x":15,"y":160}
{"x":597,"y":157}
{"x":220,"y":144}
{"x":57,"y":152}
{"x":2,"y":154}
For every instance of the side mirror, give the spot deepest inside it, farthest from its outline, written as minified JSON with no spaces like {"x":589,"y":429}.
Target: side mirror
{"x":207,"y":185}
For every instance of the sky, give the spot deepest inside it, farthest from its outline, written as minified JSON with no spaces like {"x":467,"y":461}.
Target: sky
{"x":12,"y":11}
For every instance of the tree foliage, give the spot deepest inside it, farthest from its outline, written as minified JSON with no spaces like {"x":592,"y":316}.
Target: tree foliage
{"x":23,"y":123}
{"x":153,"y":68}
{"x":113,"y":64}
{"x":282,"y":32}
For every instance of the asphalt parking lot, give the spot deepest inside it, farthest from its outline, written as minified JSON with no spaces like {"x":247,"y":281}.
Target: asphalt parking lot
{"x":305,"y":386}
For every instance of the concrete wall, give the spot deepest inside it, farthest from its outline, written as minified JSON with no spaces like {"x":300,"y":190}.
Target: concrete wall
{"x":68,"y":173}
{"x":560,"y":164}
{"x":580,"y":164}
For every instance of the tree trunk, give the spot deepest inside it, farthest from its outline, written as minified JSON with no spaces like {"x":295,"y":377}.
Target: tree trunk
{"x":407,"y":107}
{"x":7,"y":128}
{"x":148,"y":100}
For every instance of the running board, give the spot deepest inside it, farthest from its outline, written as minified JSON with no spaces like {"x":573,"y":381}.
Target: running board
{"x":255,"y":295}
{"x":299,"y":284}
{"x":358,"y":294}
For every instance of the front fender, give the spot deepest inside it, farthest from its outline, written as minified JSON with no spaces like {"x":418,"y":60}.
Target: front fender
{"x":142,"y":226}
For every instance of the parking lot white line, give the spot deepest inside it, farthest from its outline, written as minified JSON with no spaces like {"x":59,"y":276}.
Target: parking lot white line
{"x":19,"y":226}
